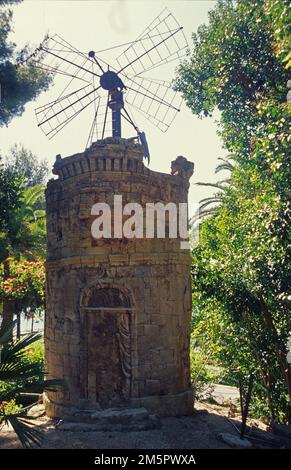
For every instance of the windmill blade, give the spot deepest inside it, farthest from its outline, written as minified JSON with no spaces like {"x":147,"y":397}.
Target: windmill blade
{"x":55,"y":115}
{"x":54,"y":70}
{"x":153,"y":89}
{"x":56,"y":55}
{"x":102,"y":123}
{"x":161,"y":42}
{"x":162,"y":124}
{"x":155,"y":99}
{"x":94,"y":130}
{"x":105,"y":113}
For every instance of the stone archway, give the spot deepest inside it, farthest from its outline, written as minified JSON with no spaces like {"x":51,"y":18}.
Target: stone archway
{"x":105,"y":346}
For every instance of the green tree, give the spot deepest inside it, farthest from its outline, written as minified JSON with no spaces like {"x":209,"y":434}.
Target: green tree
{"x":241,"y":266}
{"x":24,"y":236}
{"x":23,"y":161}
{"x":11,"y":185}
{"x":209,"y":205}
{"x":20,"y":82}
{"x":22,"y":216}
{"x":234,"y":65}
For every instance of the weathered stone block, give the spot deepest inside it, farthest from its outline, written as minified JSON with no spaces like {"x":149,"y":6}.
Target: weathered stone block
{"x":152,"y":387}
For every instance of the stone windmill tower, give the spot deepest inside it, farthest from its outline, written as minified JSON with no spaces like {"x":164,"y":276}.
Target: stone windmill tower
{"x":117,"y":309}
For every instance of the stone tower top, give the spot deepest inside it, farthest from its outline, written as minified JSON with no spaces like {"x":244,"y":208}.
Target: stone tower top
{"x":115,"y":155}
{"x":111,"y":154}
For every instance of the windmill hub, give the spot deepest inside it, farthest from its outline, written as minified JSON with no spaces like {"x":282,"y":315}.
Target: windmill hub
{"x":110,"y":81}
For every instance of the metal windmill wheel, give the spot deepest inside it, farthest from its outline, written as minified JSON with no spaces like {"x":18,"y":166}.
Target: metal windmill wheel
{"x":118,"y":88}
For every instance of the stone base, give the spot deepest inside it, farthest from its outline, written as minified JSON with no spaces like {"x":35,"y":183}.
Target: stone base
{"x":111,"y":419}
{"x":181,"y":404}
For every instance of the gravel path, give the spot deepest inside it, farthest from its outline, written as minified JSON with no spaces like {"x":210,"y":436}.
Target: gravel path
{"x":199,"y":431}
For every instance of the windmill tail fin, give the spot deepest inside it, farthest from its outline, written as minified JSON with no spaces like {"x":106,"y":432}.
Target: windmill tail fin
{"x":143,"y":141}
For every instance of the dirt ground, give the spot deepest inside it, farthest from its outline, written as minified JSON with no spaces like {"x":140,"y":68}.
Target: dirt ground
{"x":199,"y":431}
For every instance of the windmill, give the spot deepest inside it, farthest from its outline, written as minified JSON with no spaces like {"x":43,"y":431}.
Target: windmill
{"x":119,"y":88}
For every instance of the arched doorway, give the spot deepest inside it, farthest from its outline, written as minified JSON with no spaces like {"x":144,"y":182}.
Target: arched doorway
{"x":105,"y":322}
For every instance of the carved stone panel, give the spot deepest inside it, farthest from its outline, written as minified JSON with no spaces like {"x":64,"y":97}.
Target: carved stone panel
{"x":105,"y":356}
{"x":106,"y":348}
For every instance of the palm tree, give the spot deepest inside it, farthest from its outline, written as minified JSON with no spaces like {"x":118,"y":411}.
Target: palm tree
{"x":32,"y":196}
{"x":17,"y":375}
{"x":26,"y":237}
{"x":209,"y":205}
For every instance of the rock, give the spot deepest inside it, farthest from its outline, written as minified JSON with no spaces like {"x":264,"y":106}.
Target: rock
{"x":112,"y":419}
{"x":108,"y":427}
{"x":110,"y":415}
{"x":37,"y":411}
{"x":235,"y":441}
{"x":121,"y":415}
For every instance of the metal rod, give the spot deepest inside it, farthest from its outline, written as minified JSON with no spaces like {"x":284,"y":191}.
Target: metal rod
{"x":58,"y":100}
{"x":70,"y":62}
{"x":90,"y":137}
{"x":154,"y":99}
{"x":49,"y":68}
{"x":148,"y":91}
{"x":99,"y":65}
{"x":60,"y":126}
{"x":164,"y":61}
{"x":154,"y":47}
{"x":116,"y":123}
{"x":71,"y":104}
{"x":130,"y":43}
{"x":63,"y":124}
{"x":128,"y":119}
{"x":105,"y":118}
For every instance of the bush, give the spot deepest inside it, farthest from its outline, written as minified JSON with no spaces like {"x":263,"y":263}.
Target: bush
{"x":33,"y":355}
{"x":8,"y":407}
{"x":203,"y":376}
{"x":35,"y":352}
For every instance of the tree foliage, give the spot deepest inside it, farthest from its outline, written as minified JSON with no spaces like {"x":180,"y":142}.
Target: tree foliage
{"x":25,"y":283}
{"x":20,"y":82}
{"x":22,"y":235}
{"x":10,"y":195}
{"x":234,"y":65}
{"x":23,"y":161}
{"x":21,"y":377}
{"x":241,"y":267}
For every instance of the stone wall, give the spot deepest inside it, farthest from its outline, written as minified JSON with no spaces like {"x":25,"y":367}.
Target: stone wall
{"x":127,"y":300}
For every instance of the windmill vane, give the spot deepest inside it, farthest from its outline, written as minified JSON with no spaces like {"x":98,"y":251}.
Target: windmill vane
{"x":121,"y":87}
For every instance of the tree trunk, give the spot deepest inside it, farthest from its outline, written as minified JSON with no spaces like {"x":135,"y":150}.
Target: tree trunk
{"x":8,"y":306}
{"x":18,"y":333}
{"x":265,"y":374}
{"x":279,"y":351}
{"x":7,"y":316}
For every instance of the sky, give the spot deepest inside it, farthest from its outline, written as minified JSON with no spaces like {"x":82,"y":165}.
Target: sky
{"x":96,"y":25}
